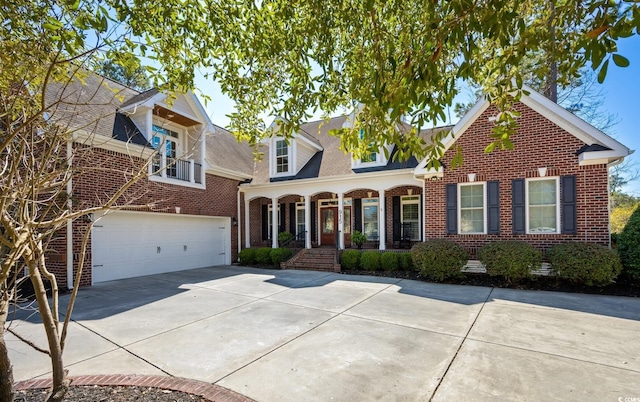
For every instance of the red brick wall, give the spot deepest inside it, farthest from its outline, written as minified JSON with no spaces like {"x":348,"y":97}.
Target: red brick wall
{"x":537,"y":143}
{"x":101,"y":173}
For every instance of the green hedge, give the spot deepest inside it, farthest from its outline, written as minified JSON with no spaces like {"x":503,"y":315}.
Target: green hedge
{"x":263,"y":255}
{"x":280,"y":254}
{"x":439,"y":259}
{"x":247,"y":256}
{"x":585,"y":263}
{"x":389,"y":261}
{"x":512,"y":260}
{"x":629,"y":246}
{"x":370,"y":261}
{"x":350,"y":260}
{"x":406,"y":263}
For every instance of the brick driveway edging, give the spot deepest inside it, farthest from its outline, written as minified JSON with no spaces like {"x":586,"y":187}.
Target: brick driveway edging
{"x":211,"y":392}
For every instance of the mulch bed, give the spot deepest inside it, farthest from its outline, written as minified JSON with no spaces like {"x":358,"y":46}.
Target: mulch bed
{"x":622,"y":287}
{"x":97,"y":393}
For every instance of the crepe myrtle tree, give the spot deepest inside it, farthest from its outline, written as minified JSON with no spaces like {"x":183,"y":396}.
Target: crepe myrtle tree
{"x":40,"y":160}
{"x":384,"y":61}
{"x":46,"y":142}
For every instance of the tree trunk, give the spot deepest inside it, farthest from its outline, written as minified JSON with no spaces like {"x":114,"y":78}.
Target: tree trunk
{"x":60,"y":384}
{"x":6,"y":371}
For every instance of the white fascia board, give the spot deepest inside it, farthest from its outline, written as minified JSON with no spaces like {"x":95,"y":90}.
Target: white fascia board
{"x":456,"y":131}
{"x":598,"y":157}
{"x":428,"y":173}
{"x":147,"y":103}
{"x":228,"y":173}
{"x":568,"y":121}
{"x":309,"y":142}
{"x":111,"y":144}
{"x":372,"y":180}
{"x":199,"y":107}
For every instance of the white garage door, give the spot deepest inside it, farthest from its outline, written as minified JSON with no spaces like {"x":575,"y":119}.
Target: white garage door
{"x":128,"y":244}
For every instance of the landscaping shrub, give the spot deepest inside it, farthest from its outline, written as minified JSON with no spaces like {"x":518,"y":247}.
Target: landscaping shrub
{"x":629,"y":246}
{"x":284,"y":237}
{"x":389,"y":261}
{"x":370,"y":261}
{"x":406,"y":263}
{"x":350,"y":260}
{"x":512,"y":260}
{"x":247,"y":256}
{"x":280,"y":254}
{"x":439,"y":259}
{"x":584,"y":263}
{"x":263,"y":255}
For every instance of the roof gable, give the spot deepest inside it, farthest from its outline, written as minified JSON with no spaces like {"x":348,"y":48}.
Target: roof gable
{"x":599,"y":147}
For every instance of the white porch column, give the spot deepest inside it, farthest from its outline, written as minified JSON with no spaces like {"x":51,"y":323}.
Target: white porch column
{"x":247,"y":226}
{"x":274,"y":223}
{"x":423,"y":212}
{"x":341,"y":221}
{"x":307,"y":221}
{"x":382,"y":220}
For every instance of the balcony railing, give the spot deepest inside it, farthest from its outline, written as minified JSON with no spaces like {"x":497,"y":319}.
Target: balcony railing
{"x":179,"y":169}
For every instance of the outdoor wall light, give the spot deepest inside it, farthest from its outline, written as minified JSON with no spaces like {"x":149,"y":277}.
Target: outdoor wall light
{"x":234,"y":221}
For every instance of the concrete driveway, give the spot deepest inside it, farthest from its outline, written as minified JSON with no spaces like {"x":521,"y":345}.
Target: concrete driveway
{"x":307,"y":336}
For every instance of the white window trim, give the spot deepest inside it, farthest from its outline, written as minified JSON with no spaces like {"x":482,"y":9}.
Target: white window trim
{"x":169,"y":125}
{"x":407,"y":200}
{"x":484,"y":207}
{"x":381,"y":160}
{"x":299,"y":207}
{"x":181,"y":147}
{"x":526,"y":197}
{"x":375,"y":201}
{"x":291,"y":154}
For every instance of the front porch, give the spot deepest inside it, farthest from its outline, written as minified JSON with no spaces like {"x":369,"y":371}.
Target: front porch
{"x":389,"y":218}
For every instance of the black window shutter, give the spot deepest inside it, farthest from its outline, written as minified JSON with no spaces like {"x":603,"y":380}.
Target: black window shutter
{"x":568,"y":195}
{"x":357,"y":214}
{"x":421,"y":219}
{"x":493,"y":207}
{"x":395,"y":216}
{"x":265,"y":222}
{"x":452,"y":208}
{"x":282,"y":226}
{"x":314,"y":234}
{"x":518,"y":206}
{"x":292,"y":218}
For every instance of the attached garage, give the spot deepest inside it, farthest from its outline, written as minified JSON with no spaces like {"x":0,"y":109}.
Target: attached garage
{"x":129,"y":244}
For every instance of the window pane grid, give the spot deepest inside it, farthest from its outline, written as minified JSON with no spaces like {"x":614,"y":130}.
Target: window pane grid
{"x":542,"y":199}
{"x":472,"y":209}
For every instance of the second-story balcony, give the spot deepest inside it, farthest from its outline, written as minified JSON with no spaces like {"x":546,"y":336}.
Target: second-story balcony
{"x":180,"y":169}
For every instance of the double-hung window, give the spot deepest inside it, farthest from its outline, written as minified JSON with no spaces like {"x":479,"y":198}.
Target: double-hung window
{"x":410,"y":217}
{"x":543,"y":200}
{"x":472,"y":205}
{"x":282,"y":156}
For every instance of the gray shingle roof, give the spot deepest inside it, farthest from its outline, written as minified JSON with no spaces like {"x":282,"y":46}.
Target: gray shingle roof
{"x":330,"y":162}
{"x":224,"y":151}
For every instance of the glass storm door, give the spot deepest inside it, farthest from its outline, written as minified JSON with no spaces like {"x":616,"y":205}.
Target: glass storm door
{"x":328,"y":225}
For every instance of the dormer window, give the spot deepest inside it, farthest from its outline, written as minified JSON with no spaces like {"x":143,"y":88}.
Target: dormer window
{"x":282,"y":156}
{"x":371,"y":157}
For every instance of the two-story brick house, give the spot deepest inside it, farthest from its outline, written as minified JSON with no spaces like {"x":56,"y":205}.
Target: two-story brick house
{"x":206,"y":198}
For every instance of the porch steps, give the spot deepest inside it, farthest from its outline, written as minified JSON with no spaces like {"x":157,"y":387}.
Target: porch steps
{"x":315,"y":259}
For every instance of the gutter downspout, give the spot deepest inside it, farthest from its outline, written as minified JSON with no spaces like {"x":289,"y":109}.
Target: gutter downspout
{"x":239,"y":225}
{"x":69,"y":221}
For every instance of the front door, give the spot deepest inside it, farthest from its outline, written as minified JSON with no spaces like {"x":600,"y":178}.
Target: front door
{"x":328,"y":225}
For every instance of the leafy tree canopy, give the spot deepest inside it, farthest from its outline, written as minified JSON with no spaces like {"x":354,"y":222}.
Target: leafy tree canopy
{"x":136,"y":79}
{"x":385,"y":60}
